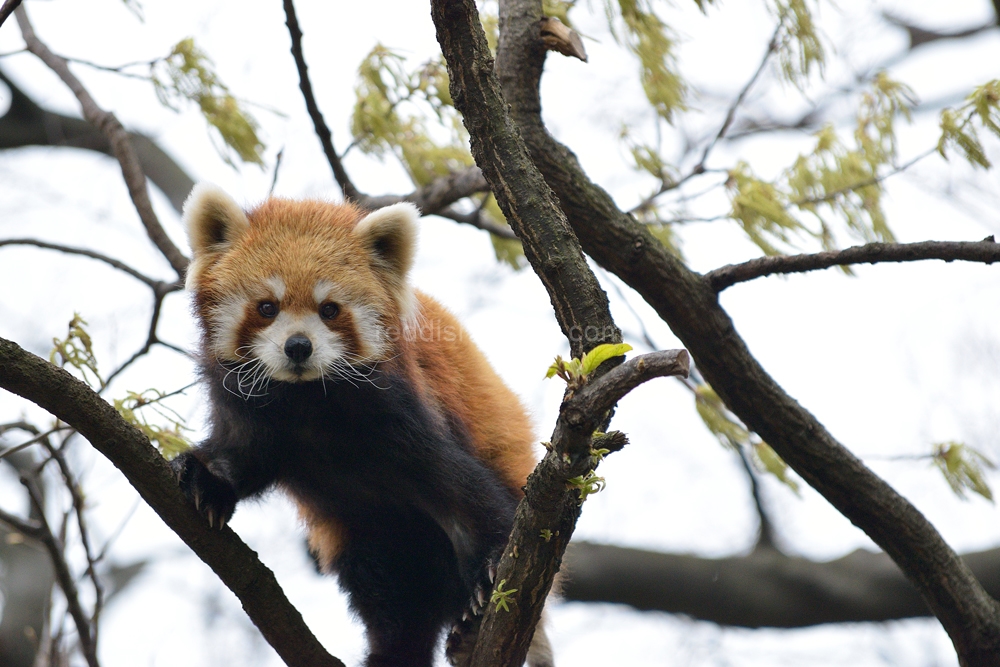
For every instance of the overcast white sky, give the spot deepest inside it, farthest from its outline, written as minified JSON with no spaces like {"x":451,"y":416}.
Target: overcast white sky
{"x":892,"y":360}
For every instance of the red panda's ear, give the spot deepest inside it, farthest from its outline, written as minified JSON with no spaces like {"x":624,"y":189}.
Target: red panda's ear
{"x":390,"y":235}
{"x":213,"y":219}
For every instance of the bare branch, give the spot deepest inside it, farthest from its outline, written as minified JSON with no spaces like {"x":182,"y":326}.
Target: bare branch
{"x":67,"y":583}
{"x":132,"y":171}
{"x":477,"y":220}
{"x":986,"y":251}
{"x":121,"y":266}
{"x":437,"y":194}
{"x":151,"y":338}
{"x":322,"y":131}
{"x":237,"y":566}
{"x":8,"y":7}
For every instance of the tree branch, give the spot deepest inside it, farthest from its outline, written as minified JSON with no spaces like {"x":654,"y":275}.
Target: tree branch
{"x":116,"y":135}
{"x":8,"y":7}
{"x":531,"y":210}
{"x":986,"y":251}
{"x":762,"y":589}
{"x":88,"y":643}
{"x":548,"y":513}
{"x":322,"y":131}
{"x":121,"y":266}
{"x":687,"y":303}
{"x":236,"y":565}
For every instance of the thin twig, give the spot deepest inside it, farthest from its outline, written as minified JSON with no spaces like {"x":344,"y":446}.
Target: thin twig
{"x":65,"y":578}
{"x":121,"y":145}
{"x":121,"y":266}
{"x":42,"y":437}
{"x":478,"y":220}
{"x":700,"y":168}
{"x":322,"y":130}
{"x":277,"y":166}
{"x":78,"y":507}
{"x":986,"y":251}
{"x":151,"y":340}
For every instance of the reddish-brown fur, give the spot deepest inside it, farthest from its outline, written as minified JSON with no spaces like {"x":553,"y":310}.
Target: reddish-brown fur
{"x":304,"y":241}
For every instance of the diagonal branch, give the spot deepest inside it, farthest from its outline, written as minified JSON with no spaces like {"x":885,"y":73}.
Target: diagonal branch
{"x":687,"y":303}
{"x":70,"y":400}
{"x":8,"y":7}
{"x":106,"y":121}
{"x":986,"y":251}
{"x":322,"y":130}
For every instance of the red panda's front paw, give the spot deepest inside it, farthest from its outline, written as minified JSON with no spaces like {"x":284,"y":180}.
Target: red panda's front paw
{"x":214,"y":498}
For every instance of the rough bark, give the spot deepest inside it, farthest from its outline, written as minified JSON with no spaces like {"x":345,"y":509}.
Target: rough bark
{"x":236,"y":565}
{"x":684,"y":300}
{"x":580,"y":305}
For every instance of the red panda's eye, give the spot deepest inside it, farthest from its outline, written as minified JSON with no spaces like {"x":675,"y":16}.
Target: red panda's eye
{"x":329,"y":310}
{"x":267,"y":309}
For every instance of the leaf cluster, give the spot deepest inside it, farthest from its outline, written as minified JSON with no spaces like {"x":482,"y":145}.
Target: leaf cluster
{"x":636,"y":26}
{"x":187,"y":75}
{"x":576,"y":371}
{"x":958,"y":126}
{"x":170,"y":440}
{"x":77,"y":351}
{"x":391,"y":112}
{"x":833,"y":182}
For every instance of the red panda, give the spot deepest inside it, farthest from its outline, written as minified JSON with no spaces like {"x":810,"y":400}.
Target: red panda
{"x":329,"y":377}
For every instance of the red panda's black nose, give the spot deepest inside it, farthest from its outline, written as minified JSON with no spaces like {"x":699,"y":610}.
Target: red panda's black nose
{"x":298,"y":348}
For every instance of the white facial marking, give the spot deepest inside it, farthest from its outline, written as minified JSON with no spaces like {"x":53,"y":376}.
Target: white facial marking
{"x":269,"y":347}
{"x":277,"y":286}
{"x":224,"y":321}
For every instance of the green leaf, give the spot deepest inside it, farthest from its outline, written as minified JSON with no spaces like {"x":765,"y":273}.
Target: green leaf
{"x":602,"y":353}
{"x":187,"y":74}
{"x":768,"y":460}
{"x":77,"y":351}
{"x":962,"y":467}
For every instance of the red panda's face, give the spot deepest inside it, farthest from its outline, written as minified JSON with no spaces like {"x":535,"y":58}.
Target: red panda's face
{"x":299,"y":291}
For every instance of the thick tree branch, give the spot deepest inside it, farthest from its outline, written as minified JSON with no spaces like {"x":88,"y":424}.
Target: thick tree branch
{"x":116,"y":135}
{"x":531,"y":210}
{"x":762,"y":589}
{"x":688,"y":304}
{"x":986,"y":251}
{"x":548,"y":513}
{"x":236,"y":565}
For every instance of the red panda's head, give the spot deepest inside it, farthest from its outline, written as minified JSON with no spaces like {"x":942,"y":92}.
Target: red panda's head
{"x":299,"y":290}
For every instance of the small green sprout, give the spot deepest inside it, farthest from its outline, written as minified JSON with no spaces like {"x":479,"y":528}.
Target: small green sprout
{"x":170,"y":440}
{"x":501,"y":597}
{"x":587,"y":484}
{"x":575,"y":371}
{"x":546,"y":534}
{"x":77,"y":350}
